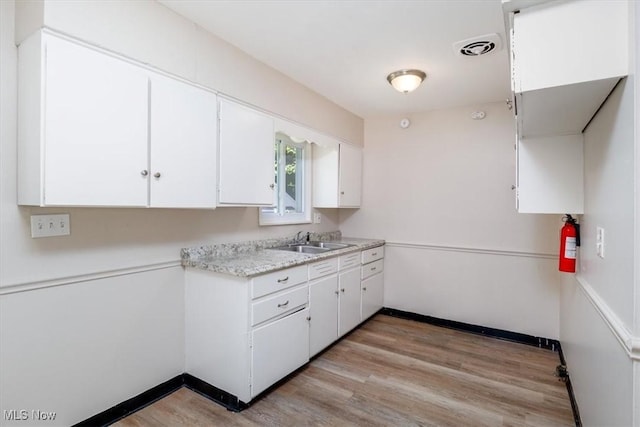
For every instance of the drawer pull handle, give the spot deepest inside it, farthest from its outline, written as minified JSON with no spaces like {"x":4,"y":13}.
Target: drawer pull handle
{"x":283,"y":280}
{"x":374,"y":254}
{"x":373,"y":269}
{"x":284,"y":304}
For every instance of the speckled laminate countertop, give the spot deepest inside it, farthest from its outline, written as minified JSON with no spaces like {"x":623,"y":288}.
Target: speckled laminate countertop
{"x":248,"y":259}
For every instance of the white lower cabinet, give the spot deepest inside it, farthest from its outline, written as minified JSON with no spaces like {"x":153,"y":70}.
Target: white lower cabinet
{"x":323,"y":301}
{"x":243,"y":345}
{"x":349,"y":300}
{"x":244,"y":335}
{"x":277,"y":349}
{"x":372,"y":295}
{"x":372,"y":285}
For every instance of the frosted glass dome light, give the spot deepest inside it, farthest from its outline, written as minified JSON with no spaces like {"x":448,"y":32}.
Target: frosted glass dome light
{"x":406,"y":80}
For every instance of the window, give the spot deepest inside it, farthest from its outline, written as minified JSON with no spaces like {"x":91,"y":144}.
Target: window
{"x":291,"y":199}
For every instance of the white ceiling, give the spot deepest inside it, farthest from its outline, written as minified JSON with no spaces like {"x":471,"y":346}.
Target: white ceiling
{"x":345,"y":49}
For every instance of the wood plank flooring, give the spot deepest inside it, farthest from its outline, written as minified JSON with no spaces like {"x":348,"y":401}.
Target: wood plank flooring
{"x":396,"y":372}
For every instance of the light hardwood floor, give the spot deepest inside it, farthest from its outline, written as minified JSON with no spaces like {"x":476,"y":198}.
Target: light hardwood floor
{"x":396,"y":372}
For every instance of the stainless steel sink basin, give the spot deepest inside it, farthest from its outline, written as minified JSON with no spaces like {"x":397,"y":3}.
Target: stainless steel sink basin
{"x":302,"y":249}
{"x":329,"y":245}
{"x":312,"y":247}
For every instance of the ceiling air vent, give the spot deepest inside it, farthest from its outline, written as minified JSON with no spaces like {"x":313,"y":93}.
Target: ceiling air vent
{"x":477,"y":46}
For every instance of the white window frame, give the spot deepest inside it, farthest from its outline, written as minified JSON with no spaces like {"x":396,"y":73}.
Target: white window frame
{"x":280,"y":217}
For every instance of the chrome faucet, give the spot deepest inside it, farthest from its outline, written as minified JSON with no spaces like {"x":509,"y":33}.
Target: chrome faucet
{"x":300,"y":237}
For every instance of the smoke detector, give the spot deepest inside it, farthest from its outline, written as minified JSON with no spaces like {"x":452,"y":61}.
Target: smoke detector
{"x":477,"y":46}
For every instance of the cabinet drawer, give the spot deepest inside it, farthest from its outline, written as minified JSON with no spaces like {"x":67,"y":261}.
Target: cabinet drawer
{"x":322,"y":268}
{"x":278,"y":304}
{"x":349,"y":260}
{"x":372,"y":254}
{"x":278,"y":280}
{"x":372,"y":268}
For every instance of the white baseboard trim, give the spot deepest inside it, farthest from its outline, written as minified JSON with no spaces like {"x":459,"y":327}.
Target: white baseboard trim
{"x":484,"y":251}
{"x":68,"y":280}
{"x":629,"y":342}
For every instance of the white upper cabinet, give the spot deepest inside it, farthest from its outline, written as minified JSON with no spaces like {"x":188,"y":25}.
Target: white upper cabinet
{"x":246,"y":166}
{"x":566,"y":59}
{"x":97,"y":130}
{"x":183,"y":145}
{"x":82,"y":126}
{"x":550,"y":175}
{"x":337,"y":176}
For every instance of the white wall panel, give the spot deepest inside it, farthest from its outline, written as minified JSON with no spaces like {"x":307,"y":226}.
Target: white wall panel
{"x":600,"y":369}
{"x":79,"y":349}
{"x":508,"y":292}
{"x":609,"y":202}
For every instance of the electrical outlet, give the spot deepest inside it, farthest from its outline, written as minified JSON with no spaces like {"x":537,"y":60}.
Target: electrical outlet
{"x":50,"y":225}
{"x":600,"y":242}
{"x":317,"y":217}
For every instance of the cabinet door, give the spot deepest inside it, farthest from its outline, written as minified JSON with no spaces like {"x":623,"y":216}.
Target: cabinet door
{"x":550,"y":176}
{"x":323,"y":310}
{"x":326,"y":159}
{"x":350,"y":180}
{"x":96,"y":110}
{"x":278,"y":349}
{"x":183,"y":145}
{"x":247,"y":154}
{"x":372,"y":295}
{"x":562,"y":43}
{"x":349,"y":302}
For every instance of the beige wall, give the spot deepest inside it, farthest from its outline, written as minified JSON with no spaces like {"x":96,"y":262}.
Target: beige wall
{"x":440,"y":193}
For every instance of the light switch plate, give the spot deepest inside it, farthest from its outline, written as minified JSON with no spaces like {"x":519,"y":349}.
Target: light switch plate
{"x":600,"y":242}
{"x":50,"y":225}
{"x":317,"y":217}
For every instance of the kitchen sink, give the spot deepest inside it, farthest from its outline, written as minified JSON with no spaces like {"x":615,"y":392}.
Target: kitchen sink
{"x":329,"y":245}
{"x":305,"y":249}
{"x":312,"y":247}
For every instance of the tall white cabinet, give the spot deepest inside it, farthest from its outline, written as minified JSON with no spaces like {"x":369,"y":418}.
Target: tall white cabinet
{"x":566,"y":57}
{"x":97,"y":130}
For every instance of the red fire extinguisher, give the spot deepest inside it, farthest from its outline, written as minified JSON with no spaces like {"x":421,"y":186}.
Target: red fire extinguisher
{"x":569,"y":241}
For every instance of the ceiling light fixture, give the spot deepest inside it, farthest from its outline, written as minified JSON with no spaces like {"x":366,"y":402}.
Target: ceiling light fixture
{"x":406,"y":80}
